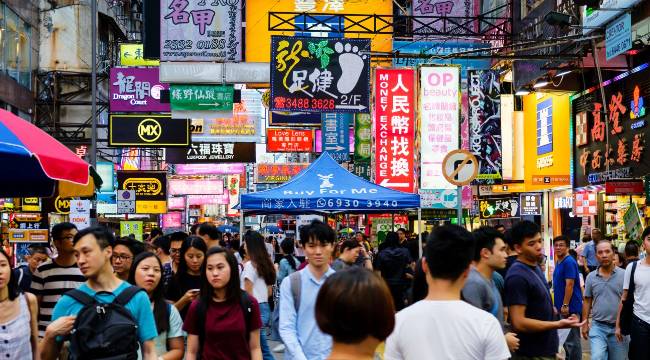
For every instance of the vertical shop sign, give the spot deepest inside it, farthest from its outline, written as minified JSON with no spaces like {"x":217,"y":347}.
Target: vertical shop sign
{"x":362,"y":138}
{"x":80,"y":213}
{"x":394,"y":128}
{"x":232,"y":186}
{"x":336,"y":135}
{"x":201,"y":30}
{"x":633,"y":222}
{"x":531,"y":204}
{"x":485,"y":124}
{"x":439,"y":117}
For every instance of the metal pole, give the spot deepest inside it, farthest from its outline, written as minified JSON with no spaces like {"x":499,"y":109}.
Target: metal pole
{"x":420,"y":228}
{"x":459,"y":208}
{"x":602,"y":96}
{"x":93,"y":136}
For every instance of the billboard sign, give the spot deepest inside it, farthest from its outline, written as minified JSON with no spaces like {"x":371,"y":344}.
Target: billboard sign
{"x":201,"y":97}
{"x":150,"y":188}
{"x":277,"y":173}
{"x":190,"y":186}
{"x":136,"y":90}
{"x":147,"y":131}
{"x":289,"y":140}
{"x":485,"y":124}
{"x":202,"y":152}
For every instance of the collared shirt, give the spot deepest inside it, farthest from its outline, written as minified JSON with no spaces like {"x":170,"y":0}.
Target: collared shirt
{"x":590,"y":254}
{"x":300,"y":333}
{"x":606,"y":294}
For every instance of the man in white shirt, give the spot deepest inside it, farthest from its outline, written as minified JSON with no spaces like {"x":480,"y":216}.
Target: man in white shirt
{"x":442,"y":326}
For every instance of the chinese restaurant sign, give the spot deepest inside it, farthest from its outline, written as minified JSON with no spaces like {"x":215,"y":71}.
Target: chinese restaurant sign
{"x":150,"y":189}
{"x":133,"y":55}
{"x":335,"y":135}
{"x":394,"y":128}
{"x":209,"y":169}
{"x":201,"y":30}
{"x":277,"y":173}
{"x":485,"y":124}
{"x":212,"y":152}
{"x":202,"y":97}
{"x":148,"y":131}
{"x":289,"y":140}
{"x":136,"y":90}
{"x":626,"y":154}
{"x":501,"y":208}
{"x":320,"y":75}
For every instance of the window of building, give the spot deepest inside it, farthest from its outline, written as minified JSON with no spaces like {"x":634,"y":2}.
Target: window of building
{"x":15,"y":47}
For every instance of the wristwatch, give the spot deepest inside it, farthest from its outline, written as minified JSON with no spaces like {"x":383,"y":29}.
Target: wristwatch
{"x":565,"y":305}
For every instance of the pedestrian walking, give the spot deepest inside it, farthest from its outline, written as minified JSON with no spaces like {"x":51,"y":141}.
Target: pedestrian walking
{"x":589,"y":252}
{"x":37,"y":255}
{"x":18,"y":314}
{"x":146,"y":273}
{"x":603,"y":291}
{"x":124,"y":251}
{"x":349,"y":250}
{"x":162,"y":246}
{"x":356,"y":309}
{"x":393,"y":262}
{"x":568,"y":293}
{"x":176,"y":242}
{"x":298,"y":328}
{"x":186,"y":283}
{"x":442,"y":326}
{"x":224,"y":321}
{"x":210,"y":235}
{"x":288,"y":265}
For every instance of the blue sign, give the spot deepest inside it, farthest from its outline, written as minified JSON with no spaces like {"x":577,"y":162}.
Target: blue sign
{"x":439,"y":49}
{"x":336,"y":135}
{"x":545,"y":127}
{"x":329,"y":25}
{"x":618,"y":37}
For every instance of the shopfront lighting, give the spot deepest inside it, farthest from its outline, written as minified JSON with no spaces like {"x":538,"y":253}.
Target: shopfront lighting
{"x":522,"y":92}
{"x":563,"y":72}
{"x":541,"y":83}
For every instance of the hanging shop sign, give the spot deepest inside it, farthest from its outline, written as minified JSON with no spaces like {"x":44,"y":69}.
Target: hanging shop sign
{"x":563,"y":202}
{"x":149,"y":190}
{"x":133,"y":55}
{"x":232,"y":187}
{"x":438,"y":199}
{"x":362,"y":170}
{"x":56,"y":204}
{"x":136,"y":90}
{"x":585,"y":203}
{"x":320,"y":75}
{"x":192,"y":186}
{"x":201,"y":97}
{"x":289,"y":140}
{"x":31,"y":235}
{"x":394,"y":128}
{"x":439,"y":49}
{"x":633,"y":222}
{"x":176,"y":203}
{"x":27,"y":227}
{"x":618,"y":36}
{"x":485,"y":124}
{"x":209,"y":169}
{"x":200,"y":200}
{"x":80,"y":213}
{"x":362,"y":137}
{"x":501,"y":208}
{"x":106,"y":171}
{"x":135,"y":228}
{"x":625,"y":156}
{"x":335,"y":135}
{"x":31,"y":204}
{"x":277,"y":118}
{"x":449,"y":8}
{"x":147,"y":131}
{"x":277,"y":173}
{"x":318,"y":140}
{"x":172,"y":220}
{"x":531,"y":204}
{"x":201,"y":31}
{"x":624,"y":187}
{"x":439,"y":105}
{"x":202,"y":152}
{"x":593,"y":19}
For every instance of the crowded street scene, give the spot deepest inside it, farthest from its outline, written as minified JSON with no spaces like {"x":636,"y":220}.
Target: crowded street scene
{"x":324,"y":180}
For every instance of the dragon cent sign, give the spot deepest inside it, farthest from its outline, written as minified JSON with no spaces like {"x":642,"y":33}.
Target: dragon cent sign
{"x":136,"y":90}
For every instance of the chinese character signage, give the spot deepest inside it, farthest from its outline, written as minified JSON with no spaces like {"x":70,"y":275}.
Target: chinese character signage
{"x":320,"y":75}
{"x":459,"y":9}
{"x":232,"y":187}
{"x":149,"y":188}
{"x":501,"y":208}
{"x":134,"y":228}
{"x":277,"y":173}
{"x":148,"y":131}
{"x":201,"y":97}
{"x":318,"y":140}
{"x":438,"y":48}
{"x":201,"y":30}
{"x":394,"y":128}
{"x":209,"y":169}
{"x":624,"y":157}
{"x":439,"y":119}
{"x":289,"y":140}
{"x":192,"y":186}
{"x":335,"y":135}
{"x":485,"y":124}
{"x":136,"y":90}
{"x":201,"y":152}
{"x":531,"y":204}
{"x":172,"y":220}
{"x":362,"y":170}
{"x":362,"y":138}
{"x":545,"y":127}
{"x":133,"y":55}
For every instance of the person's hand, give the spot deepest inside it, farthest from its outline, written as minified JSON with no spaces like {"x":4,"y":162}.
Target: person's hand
{"x":60,"y":327}
{"x":619,"y":334}
{"x":585,"y":330}
{"x":571,"y":322}
{"x":564,"y":310}
{"x":513,"y":341}
{"x":190,"y":295}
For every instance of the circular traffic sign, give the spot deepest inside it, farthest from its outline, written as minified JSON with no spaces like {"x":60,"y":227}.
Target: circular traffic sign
{"x":460,"y":167}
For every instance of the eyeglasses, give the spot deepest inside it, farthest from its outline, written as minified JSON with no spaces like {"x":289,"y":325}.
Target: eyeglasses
{"x":121,"y":257}
{"x":174,"y":251}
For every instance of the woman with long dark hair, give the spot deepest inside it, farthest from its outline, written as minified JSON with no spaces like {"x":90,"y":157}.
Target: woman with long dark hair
{"x":186,"y":283}
{"x":18,"y":315}
{"x":146,"y":272}
{"x":258,"y":278}
{"x":223,"y":313}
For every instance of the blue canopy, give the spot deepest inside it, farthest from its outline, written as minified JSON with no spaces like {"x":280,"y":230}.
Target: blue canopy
{"x":325,"y":186}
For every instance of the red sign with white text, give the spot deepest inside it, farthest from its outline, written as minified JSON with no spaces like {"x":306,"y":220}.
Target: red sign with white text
{"x":394,"y":128}
{"x":289,"y":140}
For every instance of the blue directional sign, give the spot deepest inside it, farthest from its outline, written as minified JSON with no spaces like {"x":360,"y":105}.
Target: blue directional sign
{"x":618,"y":36}
{"x":336,"y":135}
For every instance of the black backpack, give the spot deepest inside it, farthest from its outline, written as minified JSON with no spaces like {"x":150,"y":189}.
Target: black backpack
{"x":104,"y":331}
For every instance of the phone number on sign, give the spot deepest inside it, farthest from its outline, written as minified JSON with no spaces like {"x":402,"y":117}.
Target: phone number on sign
{"x":281,"y":102}
{"x":321,"y":203}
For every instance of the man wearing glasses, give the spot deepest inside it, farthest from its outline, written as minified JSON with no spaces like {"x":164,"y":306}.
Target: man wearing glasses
{"x":176,"y":241}
{"x":55,"y":277}
{"x":124,"y":251}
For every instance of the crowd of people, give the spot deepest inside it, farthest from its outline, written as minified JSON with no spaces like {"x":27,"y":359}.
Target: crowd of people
{"x":208,"y":295}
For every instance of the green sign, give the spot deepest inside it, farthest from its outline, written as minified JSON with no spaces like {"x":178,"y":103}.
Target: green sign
{"x":633,"y":222}
{"x":362,"y":138}
{"x":362,"y":170}
{"x":131,"y":227}
{"x":202,"y":97}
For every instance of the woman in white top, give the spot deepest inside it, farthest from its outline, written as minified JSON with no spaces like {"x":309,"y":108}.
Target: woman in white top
{"x":258,"y":277}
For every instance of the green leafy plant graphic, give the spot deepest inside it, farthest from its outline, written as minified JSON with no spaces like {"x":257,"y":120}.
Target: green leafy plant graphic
{"x":321,"y":51}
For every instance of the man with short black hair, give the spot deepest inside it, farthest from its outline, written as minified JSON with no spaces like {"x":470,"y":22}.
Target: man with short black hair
{"x":401,"y":233}
{"x":124,"y":251}
{"x":350,"y":250}
{"x":155,"y":234}
{"x":93,"y":251}
{"x":37,"y":255}
{"x":589,"y":253}
{"x":567,"y":292}
{"x":442,"y":326}
{"x":209,"y":234}
{"x":176,"y":242}
{"x":162,"y":245}
{"x":528,"y":298}
{"x":500,"y":228}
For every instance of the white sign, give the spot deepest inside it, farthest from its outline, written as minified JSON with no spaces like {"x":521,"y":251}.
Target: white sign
{"x":618,"y":36}
{"x":126,"y":195}
{"x":440,"y":114}
{"x":460,"y":167}
{"x":80,"y":213}
{"x":125,"y":207}
{"x":214,"y":73}
{"x":595,"y":18}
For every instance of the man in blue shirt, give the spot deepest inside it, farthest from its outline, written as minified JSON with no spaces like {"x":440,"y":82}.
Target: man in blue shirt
{"x":92,"y":248}
{"x":298,"y":328}
{"x":589,"y":254}
{"x":568,"y":294}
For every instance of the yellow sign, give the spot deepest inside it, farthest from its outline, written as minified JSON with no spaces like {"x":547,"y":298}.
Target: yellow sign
{"x":258,"y":36}
{"x":31,"y":204}
{"x":30,"y":235}
{"x":143,"y":186}
{"x":150,"y":207}
{"x":149,"y":130}
{"x":509,"y":188}
{"x":132,"y":55}
{"x":62,"y":206}
{"x":546,"y":144}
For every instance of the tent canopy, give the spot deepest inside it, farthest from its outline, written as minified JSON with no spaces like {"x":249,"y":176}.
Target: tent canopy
{"x":325,"y":186}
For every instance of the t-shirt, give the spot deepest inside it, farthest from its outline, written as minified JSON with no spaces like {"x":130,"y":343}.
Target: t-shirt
{"x":51,"y":280}
{"x":139,"y":306}
{"x":260,"y":290}
{"x":606,"y":294}
{"x":567,"y":268}
{"x":483,"y":294}
{"x":525,"y":285}
{"x":24,"y":277}
{"x":339,"y":265}
{"x":444,"y":330}
{"x":175,"y":331}
{"x":641,"y":289}
{"x":590,"y":254}
{"x":225,"y":327}
{"x":179,"y":285}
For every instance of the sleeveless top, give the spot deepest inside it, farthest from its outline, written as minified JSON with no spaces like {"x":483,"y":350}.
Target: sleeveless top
{"x":15,"y":335}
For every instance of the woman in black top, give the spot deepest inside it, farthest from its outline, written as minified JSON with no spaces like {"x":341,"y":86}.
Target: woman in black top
{"x":185,"y":284}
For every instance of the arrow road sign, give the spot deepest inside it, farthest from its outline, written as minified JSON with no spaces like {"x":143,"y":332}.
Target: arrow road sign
{"x":460,"y":167}
{"x":386,"y":183}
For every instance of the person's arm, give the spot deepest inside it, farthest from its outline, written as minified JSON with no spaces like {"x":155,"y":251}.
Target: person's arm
{"x":248,"y":286}
{"x":149,"y":350}
{"x":617,"y":331}
{"x":584,"y":260}
{"x":586,"y":309}
{"x":568,"y":292}
{"x":288,"y":322}
{"x":50,"y":348}
{"x":192,"y":347}
{"x":186,"y":299}
{"x":527,"y":325}
{"x":33,"y":324}
{"x":176,"y":347}
{"x":254,"y":345}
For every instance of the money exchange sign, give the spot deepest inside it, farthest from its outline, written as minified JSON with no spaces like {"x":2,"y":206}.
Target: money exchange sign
{"x":394,"y":128}
{"x":320,"y":75}
{"x":485,"y":124}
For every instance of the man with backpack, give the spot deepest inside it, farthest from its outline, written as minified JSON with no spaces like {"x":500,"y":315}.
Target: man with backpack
{"x":105,"y":318}
{"x":298,"y":328}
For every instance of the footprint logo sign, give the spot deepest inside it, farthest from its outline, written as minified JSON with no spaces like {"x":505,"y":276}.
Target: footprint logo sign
{"x":352,"y":64}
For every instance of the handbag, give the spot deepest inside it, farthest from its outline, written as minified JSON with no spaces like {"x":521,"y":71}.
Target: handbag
{"x":628,"y":305}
